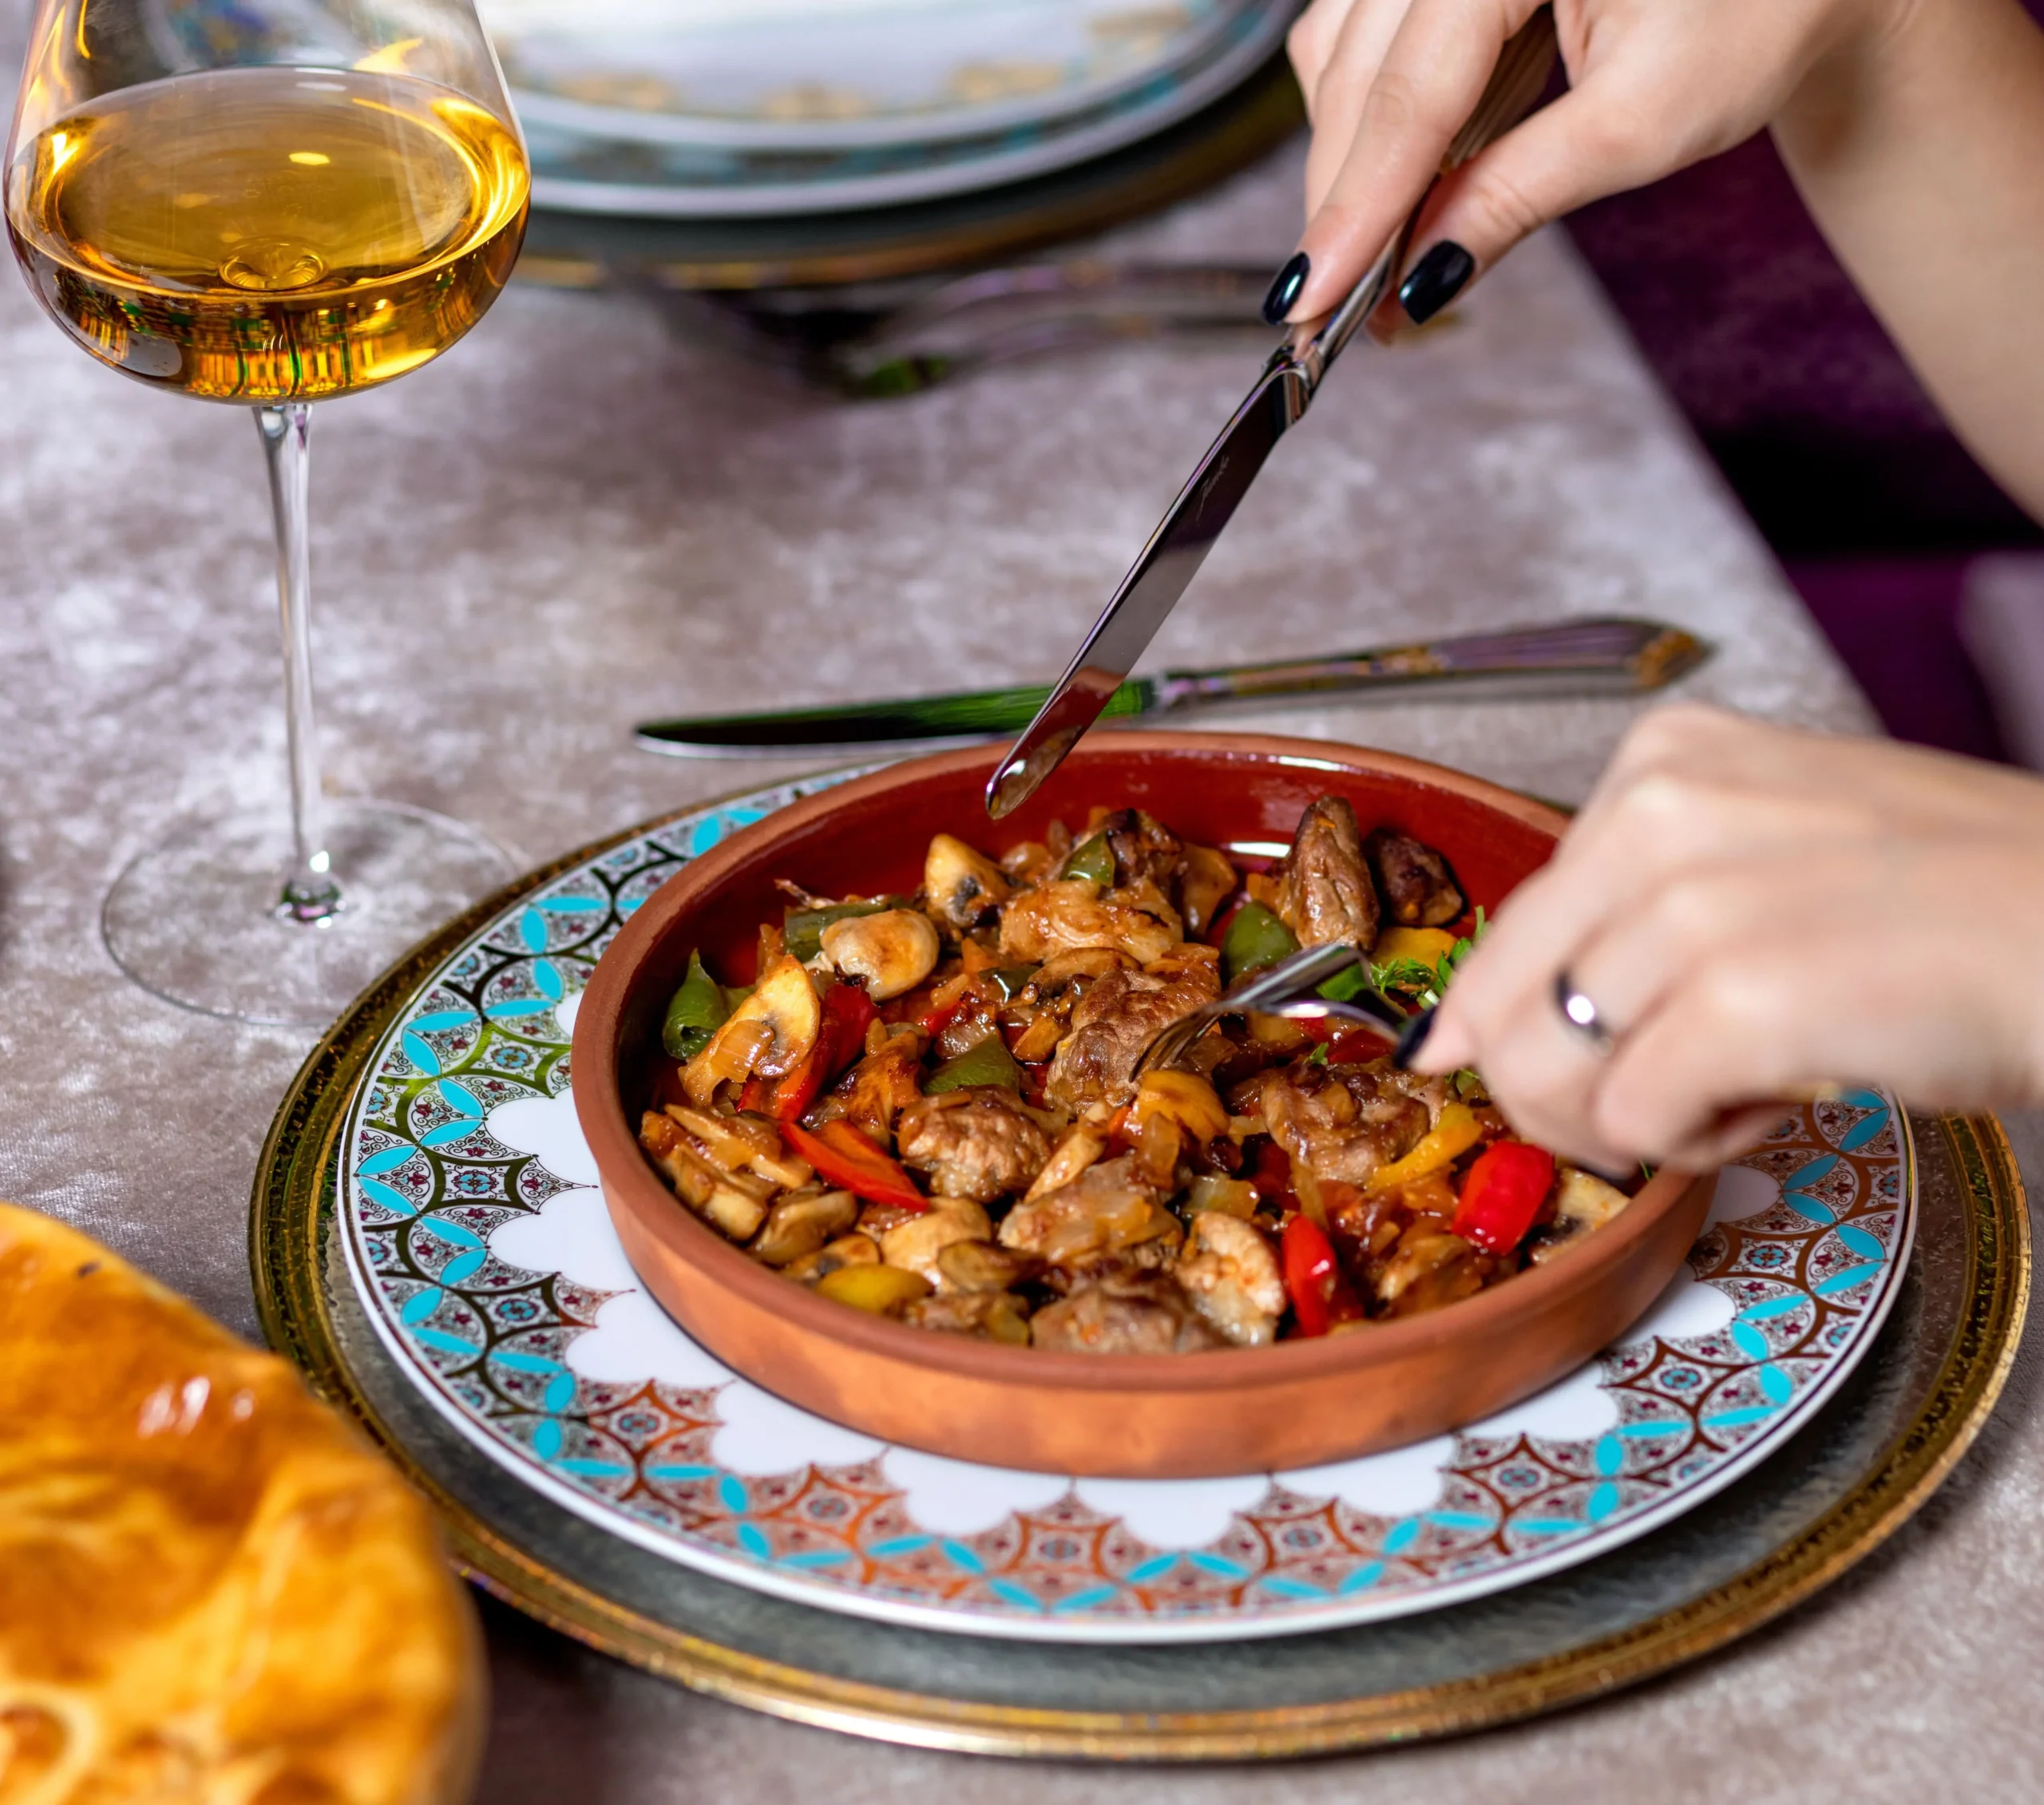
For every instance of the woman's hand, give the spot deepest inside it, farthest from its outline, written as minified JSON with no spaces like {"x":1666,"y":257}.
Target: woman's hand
{"x":1654,"y":84}
{"x":1756,"y":912}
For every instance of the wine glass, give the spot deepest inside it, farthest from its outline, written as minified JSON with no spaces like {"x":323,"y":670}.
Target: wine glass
{"x":267,"y":203}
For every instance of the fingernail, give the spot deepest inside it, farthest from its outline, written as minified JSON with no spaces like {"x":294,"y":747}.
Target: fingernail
{"x":1285,"y":291}
{"x":1412,"y":1039}
{"x":1436,"y":280}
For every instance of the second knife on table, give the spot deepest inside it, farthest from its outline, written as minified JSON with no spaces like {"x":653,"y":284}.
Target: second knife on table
{"x":1595,"y":656}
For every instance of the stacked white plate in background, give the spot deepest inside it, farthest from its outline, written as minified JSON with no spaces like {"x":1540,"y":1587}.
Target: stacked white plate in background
{"x":735,"y":109}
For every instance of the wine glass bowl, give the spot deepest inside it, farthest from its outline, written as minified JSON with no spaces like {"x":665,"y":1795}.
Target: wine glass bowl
{"x":269,"y":203}
{"x":269,"y":234}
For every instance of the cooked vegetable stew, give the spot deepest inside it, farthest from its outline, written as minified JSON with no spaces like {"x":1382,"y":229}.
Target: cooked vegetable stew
{"x":925,"y":1106}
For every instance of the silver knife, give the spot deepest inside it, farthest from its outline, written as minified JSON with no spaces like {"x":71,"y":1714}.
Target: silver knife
{"x":1596,"y":656}
{"x":1204,"y":506}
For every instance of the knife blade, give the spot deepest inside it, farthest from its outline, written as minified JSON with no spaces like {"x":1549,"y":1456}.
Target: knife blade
{"x":1291,"y":378}
{"x":1599,"y":656}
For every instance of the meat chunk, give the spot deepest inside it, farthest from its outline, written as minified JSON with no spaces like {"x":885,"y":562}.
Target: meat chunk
{"x":1103,"y":1213}
{"x":1344,"y":1125}
{"x":975,"y":1143}
{"x":1124,"y":1314}
{"x":879,"y":1087}
{"x":1324,"y":889}
{"x":1117,"y":1018}
{"x":1229,"y":1272}
{"x":1414,"y":880}
{"x":1145,"y":850}
{"x":1069,"y":913}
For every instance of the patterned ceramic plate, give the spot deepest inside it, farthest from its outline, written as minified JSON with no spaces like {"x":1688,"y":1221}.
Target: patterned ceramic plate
{"x":485,"y":1259}
{"x":607,"y":159}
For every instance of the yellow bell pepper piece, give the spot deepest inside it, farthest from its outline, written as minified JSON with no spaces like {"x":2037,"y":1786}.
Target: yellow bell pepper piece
{"x":878,"y":1290}
{"x":1453,"y":1135}
{"x":1428,"y":945}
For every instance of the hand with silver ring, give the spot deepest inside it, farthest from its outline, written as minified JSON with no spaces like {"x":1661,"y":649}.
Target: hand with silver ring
{"x":1744,"y":914}
{"x":1581,"y":1014}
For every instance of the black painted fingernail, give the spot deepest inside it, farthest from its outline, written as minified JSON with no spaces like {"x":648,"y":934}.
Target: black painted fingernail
{"x":1436,"y":280}
{"x":1285,"y":291}
{"x":1412,"y":1039}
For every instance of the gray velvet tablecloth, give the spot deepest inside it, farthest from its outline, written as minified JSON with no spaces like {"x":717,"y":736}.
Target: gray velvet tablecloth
{"x":586,"y":514}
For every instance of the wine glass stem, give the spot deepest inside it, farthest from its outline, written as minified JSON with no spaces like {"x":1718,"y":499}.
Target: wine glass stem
{"x":311,"y":893}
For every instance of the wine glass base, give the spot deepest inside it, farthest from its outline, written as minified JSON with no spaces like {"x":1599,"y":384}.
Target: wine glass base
{"x":195,"y":918}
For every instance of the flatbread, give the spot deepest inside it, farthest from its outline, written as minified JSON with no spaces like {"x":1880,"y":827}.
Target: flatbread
{"x":211,"y":1590}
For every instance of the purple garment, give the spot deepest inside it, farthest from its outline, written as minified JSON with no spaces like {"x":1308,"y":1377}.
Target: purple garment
{"x":1817,"y":422}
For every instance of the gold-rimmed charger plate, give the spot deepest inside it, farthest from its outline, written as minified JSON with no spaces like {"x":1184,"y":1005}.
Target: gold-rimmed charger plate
{"x":1860,"y":1469}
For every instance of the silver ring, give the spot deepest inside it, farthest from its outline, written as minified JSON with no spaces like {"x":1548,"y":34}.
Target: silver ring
{"x":1581,"y":1014}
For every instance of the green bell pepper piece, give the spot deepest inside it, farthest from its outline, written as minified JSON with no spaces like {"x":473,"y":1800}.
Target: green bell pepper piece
{"x":803,"y":927}
{"x":1092,"y":859}
{"x":1011,"y":980}
{"x":694,"y":1012}
{"x":1255,"y":938}
{"x":1346,"y":984}
{"x":985,"y":1062}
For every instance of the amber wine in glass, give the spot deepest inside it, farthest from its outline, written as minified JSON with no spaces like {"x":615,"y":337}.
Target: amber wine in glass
{"x":269,"y":204}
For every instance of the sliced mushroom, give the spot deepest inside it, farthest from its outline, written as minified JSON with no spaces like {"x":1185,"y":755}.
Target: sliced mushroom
{"x":979,"y":1265}
{"x":962,"y":884}
{"x":802,"y":1222}
{"x":770,"y":1033}
{"x":915,"y":1246}
{"x":1583,"y":1202}
{"x":736,"y":1203}
{"x":894,"y":951}
{"x":847,"y":1250}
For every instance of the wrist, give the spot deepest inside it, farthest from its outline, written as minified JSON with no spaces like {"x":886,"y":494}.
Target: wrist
{"x":1854,"y":62}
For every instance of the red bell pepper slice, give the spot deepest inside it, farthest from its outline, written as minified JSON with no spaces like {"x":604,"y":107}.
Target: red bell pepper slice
{"x":1357,"y":1047}
{"x":1321,"y":1296}
{"x":844,"y":1157}
{"x":847,"y":1012}
{"x":1502,"y":1194}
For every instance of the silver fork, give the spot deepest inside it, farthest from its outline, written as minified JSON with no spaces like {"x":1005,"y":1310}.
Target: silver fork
{"x":1289,"y":988}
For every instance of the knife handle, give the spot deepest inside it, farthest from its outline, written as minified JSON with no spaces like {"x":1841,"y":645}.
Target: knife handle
{"x":1615,"y":654}
{"x":1522,"y":68}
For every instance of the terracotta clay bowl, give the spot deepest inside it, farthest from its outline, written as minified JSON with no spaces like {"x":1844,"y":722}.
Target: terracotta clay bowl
{"x":1299,"y":1403}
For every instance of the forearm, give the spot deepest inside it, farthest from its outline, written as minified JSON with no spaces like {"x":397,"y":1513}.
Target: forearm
{"x":1920,"y":151}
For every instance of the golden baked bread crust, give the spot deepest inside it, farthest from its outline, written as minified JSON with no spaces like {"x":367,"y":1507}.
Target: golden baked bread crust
{"x":211,"y":1590}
